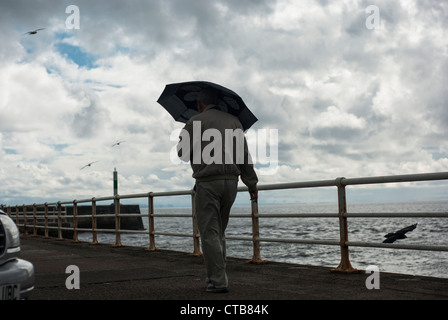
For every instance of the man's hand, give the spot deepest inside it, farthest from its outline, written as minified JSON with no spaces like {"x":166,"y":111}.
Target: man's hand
{"x":253,"y":195}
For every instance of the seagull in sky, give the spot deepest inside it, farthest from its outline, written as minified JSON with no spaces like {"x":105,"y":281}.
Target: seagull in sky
{"x":117,"y":143}
{"x":34,"y":31}
{"x":88,"y":165}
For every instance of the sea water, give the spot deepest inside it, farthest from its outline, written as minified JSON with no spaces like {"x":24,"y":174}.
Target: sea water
{"x":429,"y":231}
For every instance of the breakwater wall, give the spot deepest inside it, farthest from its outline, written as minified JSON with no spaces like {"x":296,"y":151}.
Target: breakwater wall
{"x":108,"y":222}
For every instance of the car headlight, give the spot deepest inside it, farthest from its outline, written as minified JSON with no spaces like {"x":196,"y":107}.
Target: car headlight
{"x":11,"y":232}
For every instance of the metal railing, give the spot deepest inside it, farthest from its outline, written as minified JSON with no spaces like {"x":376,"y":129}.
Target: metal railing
{"x":21,"y":215}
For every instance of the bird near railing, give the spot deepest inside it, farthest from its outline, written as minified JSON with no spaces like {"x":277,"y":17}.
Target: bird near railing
{"x":400,"y":234}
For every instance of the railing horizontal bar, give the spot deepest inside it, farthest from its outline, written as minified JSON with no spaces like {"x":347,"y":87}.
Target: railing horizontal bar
{"x":396,"y":178}
{"x":294,"y":185}
{"x":66,"y":228}
{"x":65,"y":202}
{"x":302,"y":241}
{"x":103,"y":199}
{"x":297,"y":215}
{"x":111,"y":215}
{"x":84,"y":201}
{"x":239,"y":238}
{"x":397,"y":215}
{"x":286,"y":240}
{"x":396,"y":246}
{"x":83,"y":216}
{"x":172,"y":193}
{"x":266,"y":215}
{"x":131,"y":196}
{"x":92,"y":199}
{"x":171,"y":234}
{"x":242,"y":215}
{"x":104,"y":230}
{"x":172,"y":215}
{"x":49,"y":227}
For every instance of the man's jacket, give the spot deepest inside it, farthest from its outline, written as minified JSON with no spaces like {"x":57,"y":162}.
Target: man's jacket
{"x":214,"y":143}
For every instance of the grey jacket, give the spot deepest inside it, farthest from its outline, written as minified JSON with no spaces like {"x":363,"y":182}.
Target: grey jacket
{"x":220,"y":153}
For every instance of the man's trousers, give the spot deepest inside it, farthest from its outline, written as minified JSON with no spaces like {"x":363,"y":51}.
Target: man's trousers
{"x":213,"y":201}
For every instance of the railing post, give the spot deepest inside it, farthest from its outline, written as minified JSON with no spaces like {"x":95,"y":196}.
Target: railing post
{"x":46,"y":220}
{"x":196,"y":244}
{"x":94,"y":236}
{"x":256,"y":258}
{"x":24,"y":220}
{"x":17,"y":214}
{"x":117,"y":222}
{"x":34,"y":220}
{"x":152,"y":242}
{"x":8,"y":211}
{"x":59,"y":220}
{"x":344,"y":266}
{"x":75,"y":221}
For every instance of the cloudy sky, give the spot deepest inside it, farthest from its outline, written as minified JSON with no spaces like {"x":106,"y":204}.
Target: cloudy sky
{"x":346,"y":98}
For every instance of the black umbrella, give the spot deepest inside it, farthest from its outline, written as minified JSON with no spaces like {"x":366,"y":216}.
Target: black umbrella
{"x":180,"y":100}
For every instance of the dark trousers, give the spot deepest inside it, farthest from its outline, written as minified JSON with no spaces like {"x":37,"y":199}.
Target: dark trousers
{"x":213,"y":201}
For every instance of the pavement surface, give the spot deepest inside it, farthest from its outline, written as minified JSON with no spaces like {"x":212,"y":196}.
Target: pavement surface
{"x":128,"y":273}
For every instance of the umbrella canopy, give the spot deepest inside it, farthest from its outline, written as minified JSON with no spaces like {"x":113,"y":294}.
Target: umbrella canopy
{"x":180,"y":100}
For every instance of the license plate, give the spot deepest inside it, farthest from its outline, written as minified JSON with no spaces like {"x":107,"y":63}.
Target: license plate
{"x":10,"y":292}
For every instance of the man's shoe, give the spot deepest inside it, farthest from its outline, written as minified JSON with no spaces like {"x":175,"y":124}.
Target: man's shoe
{"x":213,"y":289}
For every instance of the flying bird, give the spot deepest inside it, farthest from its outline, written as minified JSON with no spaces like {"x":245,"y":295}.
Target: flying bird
{"x":400,"y":234}
{"x":88,"y":165}
{"x":34,"y":31}
{"x":117,"y":143}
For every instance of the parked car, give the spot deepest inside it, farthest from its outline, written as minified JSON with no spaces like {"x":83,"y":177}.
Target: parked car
{"x":16,"y":275}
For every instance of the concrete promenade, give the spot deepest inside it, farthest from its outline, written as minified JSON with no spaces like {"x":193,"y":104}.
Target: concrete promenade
{"x":126,"y":273}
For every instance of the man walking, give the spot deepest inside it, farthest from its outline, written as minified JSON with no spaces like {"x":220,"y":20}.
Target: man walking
{"x":216,"y":168}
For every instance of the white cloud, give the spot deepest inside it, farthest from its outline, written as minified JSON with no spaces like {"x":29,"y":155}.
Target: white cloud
{"x":333,"y":117}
